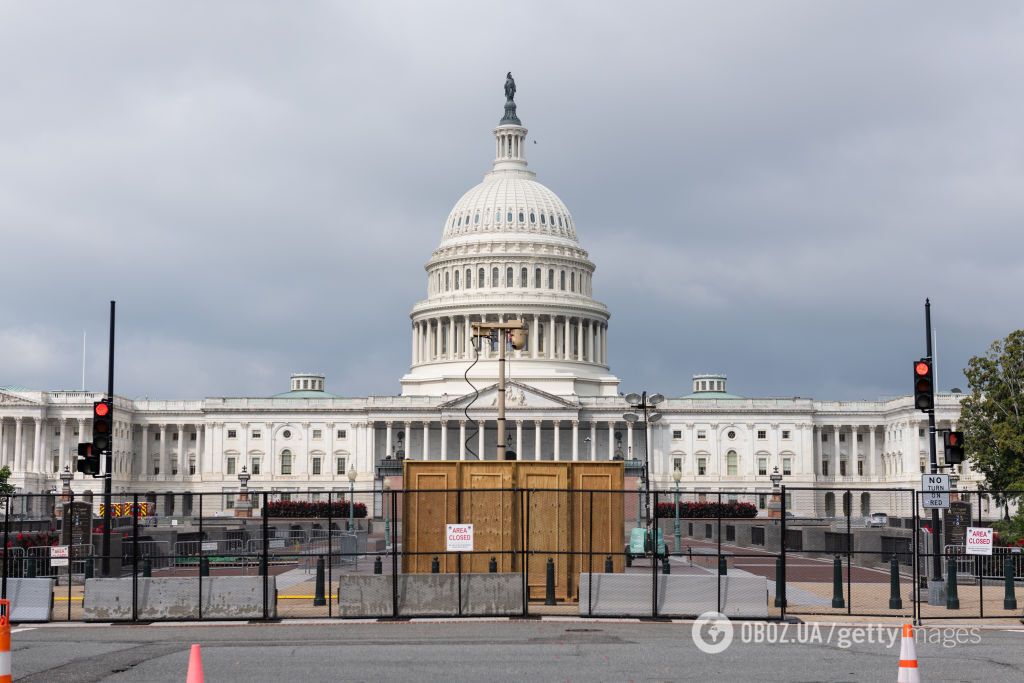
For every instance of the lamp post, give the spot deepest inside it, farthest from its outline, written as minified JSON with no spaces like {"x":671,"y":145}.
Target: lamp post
{"x":243,"y":508}
{"x":386,"y":485}
{"x":775,"y":505}
{"x":351,"y":496}
{"x":642,"y":403}
{"x":514,"y":331}
{"x":677,"y":474}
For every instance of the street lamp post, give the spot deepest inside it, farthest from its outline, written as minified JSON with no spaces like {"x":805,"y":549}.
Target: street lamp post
{"x":243,"y":506}
{"x":351,"y":496}
{"x":644,"y":403}
{"x":387,"y":520}
{"x":775,"y":505}
{"x":677,"y":532}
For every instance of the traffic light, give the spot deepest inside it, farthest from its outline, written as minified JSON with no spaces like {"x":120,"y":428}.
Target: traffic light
{"x":88,"y":459}
{"x":954,"y":443}
{"x":924,"y":385}
{"x":102,"y":426}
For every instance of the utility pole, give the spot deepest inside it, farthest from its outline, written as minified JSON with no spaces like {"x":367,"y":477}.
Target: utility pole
{"x":108,"y":459}
{"x":934,"y":462}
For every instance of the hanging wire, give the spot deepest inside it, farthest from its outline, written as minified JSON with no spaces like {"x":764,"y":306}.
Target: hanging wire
{"x":476,"y":395}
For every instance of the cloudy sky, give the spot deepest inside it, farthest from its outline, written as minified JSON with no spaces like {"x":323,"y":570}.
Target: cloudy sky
{"x":768,"y":189}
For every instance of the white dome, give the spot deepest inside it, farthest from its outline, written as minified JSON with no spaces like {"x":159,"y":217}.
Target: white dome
{"x":509,"y":203}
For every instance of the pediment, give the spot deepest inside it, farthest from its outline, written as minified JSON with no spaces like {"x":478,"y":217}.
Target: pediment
{"x":517,"y":395}
{"x":9,"y":399}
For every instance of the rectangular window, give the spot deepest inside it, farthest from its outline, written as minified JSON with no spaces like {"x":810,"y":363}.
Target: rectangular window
{"x":860,"y":468}
{"x":762,"y":501}
{"x":702,"y":466}
{"x":701,"y":434}
{"x":824,"y":468}
{"x":156,"y":467}
{"x":785,"y":434}
{"x":156,"y":436}
{"x":677,"y":433}
{"x":824,"y":438}
{"x":257,"y":434}
{"x":232,"y":434}
{"x":191,"y":467}
{"x":731,"y":466}
{"x":318,"y":434}
{"x":256,"y":465}
{"x":842,"y":468}
{"x":174,"y":436}
{"x":56,"y":432}
{"x":341,"y":433}
{"x":192,"y":436}
{"x":762,"y":466}
{"x":229,"y":501}
{"x":286,"y":463}
{"x":231,"y":465}
{"x":842,"y":438}
{"x":762,"y":434}
{"x":860,"y":438}
{"x":341,"y":466}
{"x":677,"y":464}
{"x":316,"y":465}
{"x":787,"y":466}
{"x":174,"y":468}
{"x":920,"y":432}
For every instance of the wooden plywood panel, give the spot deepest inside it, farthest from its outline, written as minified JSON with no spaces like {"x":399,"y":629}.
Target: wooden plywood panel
{"x":598,"y":510}
{"x":547,"y":520}
{"x":491,"y":507}
{"x":430,"y":504}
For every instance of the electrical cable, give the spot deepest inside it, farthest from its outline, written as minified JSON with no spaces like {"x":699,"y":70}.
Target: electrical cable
{"x":476,"y":395}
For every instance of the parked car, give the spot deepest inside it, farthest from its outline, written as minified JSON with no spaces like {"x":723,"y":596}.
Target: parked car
{"x":878,"y":519}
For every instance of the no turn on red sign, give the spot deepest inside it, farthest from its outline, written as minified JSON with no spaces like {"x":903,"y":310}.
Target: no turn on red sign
{"x":979,"y":541}
{"x":459,"y":538}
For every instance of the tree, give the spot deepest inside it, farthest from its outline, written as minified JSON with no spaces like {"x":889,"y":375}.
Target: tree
{"x":992,"y":417}
{"x":6,"y":489}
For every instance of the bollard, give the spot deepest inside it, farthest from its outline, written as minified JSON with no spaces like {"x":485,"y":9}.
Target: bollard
{"x":30,"y":568}
{"x":723,"y":568}
{"x":1009,"y":598}
{"x":665,"y":568}
{"x":88,"y":568}
{"x":609,"y":567}
{"x":895,"y":601}
{"x":838,"y":601}
{"x":147,"y":568}
{"x":629,"y":557}
{"x":492,"y":566}
{"x":319,"y":599}
{"x":780,"y":583}
{"x":952,"y":598}
{"x":204,"y":566}
{"x":549,"y":587}
{"x":378,"y":568}
{"x":435,"y":566}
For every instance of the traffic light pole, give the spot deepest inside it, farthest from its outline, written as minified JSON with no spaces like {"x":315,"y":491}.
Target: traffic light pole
{"x":934,"y":462}
{"x":108,"y":460}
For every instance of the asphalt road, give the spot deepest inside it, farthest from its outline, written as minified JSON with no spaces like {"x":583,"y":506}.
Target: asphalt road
{"x":481,"y":651}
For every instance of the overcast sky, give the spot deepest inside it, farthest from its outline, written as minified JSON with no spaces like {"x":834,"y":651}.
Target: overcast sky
{"x":768,"y":189}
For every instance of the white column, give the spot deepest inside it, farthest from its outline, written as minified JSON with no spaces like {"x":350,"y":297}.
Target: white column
{"x":834,"y":468}
{"x":579,"y":339}
{"x":444,"y":437}
{"x":182,"y":463}
{"x":462,"y":439}
{"x":629,"y":441}
{"x":426,"y":439}
{"x":451,"y":345}
{"x":371,"y":447}
{"x":143,"y":451}
{"x":519,"y":440}
{"x":551,"y":337}
{"x":575,"y":440}
{"x":590,"y":341}
{"x":611,"y":440}
{"x":871,"y":452}
{"x":566,"y":340}
{"x":480,"y":440}
{"x":387,"y":439}
{"x":37,"y":446}
{"x":468,"y":330}
{"x":558,"y":428}
{"x":19,"y":446}
{"x":3,"y":442}
{"x":534,"y":336}
{"x":63,"y":460}
{"x":81,"y":439}
{"x":593,"y":440}
{"x":164,"y":466}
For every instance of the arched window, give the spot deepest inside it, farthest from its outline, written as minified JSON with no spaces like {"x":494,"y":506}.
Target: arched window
{"x":508,"y":217}
{"x":551,"y":278}
{"x":460,"y":221}
{"x":521,"y":217}
{"x":476,"y":219}
{"x":469,"y":278}
{"x":456,"y":279}
{"x":286,"y":461}
{"x":533,"y":217}
{"x":524,"y":278}
{"x":536,"y":278}
{"x":481,"y":278}
{"x":572,"y":282}
{"x":551,"y":219}
{"x":494,"y":277}
{"x":542,"y":219}
{"x":561,"y":280}
{"x":446,"y":280}
{"x":731,"y":464}
{"x":559,"y":220}
{"x":497,"y":216}
{"x":509,"y":277}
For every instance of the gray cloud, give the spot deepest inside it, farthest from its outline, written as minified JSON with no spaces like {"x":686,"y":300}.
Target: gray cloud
{"x":768,"y":189}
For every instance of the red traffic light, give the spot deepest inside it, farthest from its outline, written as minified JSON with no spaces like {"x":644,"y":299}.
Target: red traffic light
{"x":954,"y":439}
{"x":922,"y":368}
{"x":101,"y":409}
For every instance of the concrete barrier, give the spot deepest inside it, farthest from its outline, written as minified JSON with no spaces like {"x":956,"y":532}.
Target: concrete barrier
{"x":31,"y":599}
{"x":430,"y":594}
{"x":224,"y":597}
{"x":678,"y":595}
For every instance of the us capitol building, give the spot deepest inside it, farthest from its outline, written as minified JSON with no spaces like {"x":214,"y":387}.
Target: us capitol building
{"x":509,"y":250}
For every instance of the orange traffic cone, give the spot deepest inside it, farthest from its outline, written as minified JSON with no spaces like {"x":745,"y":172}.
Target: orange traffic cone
{"x":908,"y":672}
{"x":195,"y":666}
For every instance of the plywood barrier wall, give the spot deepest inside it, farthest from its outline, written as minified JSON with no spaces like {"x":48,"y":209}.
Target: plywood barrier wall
{"x":583,"y":512}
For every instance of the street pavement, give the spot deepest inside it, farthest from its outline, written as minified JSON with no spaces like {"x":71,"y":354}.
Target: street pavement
{"x":477,"y":650}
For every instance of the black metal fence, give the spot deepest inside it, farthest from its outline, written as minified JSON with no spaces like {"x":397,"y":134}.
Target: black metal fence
{"x":362,"y":553}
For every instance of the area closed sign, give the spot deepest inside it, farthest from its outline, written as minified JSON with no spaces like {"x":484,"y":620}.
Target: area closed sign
{"x":460,"y":538}
{"x":979,"y":541}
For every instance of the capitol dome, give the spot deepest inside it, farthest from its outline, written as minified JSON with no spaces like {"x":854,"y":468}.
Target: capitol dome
{"x":509,"y":250}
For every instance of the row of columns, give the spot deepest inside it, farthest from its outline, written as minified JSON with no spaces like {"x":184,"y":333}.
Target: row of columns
{"x":30,"y":448}
{"x":550,"y":336}
{"x":852,"y":448}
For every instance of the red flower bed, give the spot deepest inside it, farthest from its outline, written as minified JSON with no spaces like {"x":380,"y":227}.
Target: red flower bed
{"x":708,"y":510}
{"x":302,"y":508}
{"x":32,"y":539}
